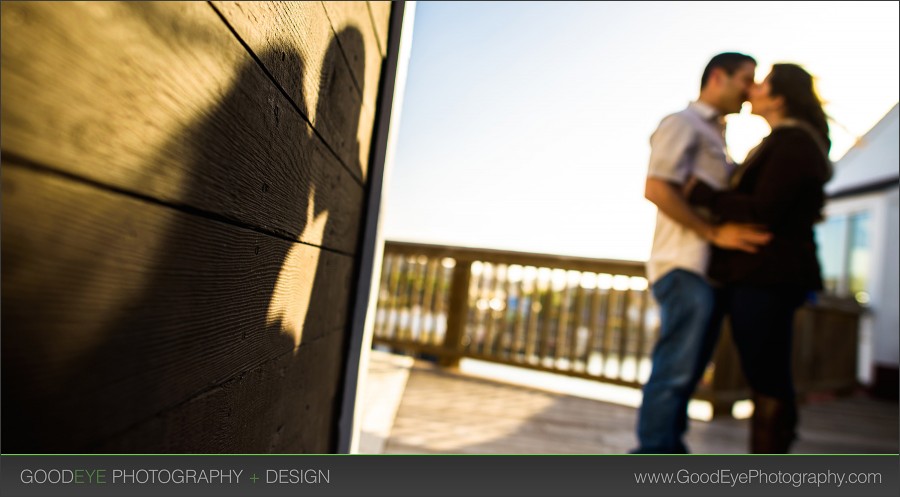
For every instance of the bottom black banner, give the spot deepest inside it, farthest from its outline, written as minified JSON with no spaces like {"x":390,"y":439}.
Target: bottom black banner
{"x":447,"y":475}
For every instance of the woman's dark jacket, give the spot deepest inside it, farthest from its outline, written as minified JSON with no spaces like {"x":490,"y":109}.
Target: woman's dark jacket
{"x":781,"y":187}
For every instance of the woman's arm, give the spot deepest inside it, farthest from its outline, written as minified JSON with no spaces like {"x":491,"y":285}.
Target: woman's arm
{"x":791,"y":167}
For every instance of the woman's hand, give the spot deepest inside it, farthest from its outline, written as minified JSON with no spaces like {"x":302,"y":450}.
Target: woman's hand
{"x":689,"y":186}
{"x":697,"y":192}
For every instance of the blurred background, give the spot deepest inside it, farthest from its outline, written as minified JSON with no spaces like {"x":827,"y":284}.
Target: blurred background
{"x":526,"y":125}
{"x":519,"y":173}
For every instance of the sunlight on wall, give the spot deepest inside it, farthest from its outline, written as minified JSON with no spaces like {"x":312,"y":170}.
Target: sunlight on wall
{"x":290,"y":300}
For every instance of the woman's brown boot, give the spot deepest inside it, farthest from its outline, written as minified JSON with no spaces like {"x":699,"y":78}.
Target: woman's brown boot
{"x":773,"y":424}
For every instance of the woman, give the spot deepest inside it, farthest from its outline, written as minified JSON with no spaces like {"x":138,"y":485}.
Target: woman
{"x":780,"y":186}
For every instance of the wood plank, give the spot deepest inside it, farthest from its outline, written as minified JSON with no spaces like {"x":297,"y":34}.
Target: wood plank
{"x":269,"y":409}
{"x":128,"y":308}
{"x":319,"y":79}
{"x":381,"y":16}
{"x":160,"y":99}
{"x":512,"y":419}
{"x":347,"y":18}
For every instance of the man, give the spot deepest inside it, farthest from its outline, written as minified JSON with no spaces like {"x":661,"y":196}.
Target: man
{"x":687,"y":144}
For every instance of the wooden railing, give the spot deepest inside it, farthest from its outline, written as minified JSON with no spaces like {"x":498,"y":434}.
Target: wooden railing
{"x":588,"y":318}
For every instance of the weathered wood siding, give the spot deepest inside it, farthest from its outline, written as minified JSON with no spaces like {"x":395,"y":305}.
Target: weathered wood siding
{"x":183,"y":188}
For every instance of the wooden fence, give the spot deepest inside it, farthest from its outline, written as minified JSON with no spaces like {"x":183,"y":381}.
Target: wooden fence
{"x":588,"y":318}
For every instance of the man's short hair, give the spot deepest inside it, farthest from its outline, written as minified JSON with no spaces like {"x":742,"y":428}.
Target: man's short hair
{"x":728,"y":61}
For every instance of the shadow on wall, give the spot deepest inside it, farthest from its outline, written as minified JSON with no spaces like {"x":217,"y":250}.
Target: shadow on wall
{"x":237,"y":341}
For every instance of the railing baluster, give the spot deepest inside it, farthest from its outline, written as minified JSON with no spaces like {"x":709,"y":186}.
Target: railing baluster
{"x":396,"y":288}
{"x":562,"y":325}
{"x":608,"y":326}
{"x":578,"y":324}
{"x":487,"y":346}
{"x":409,"y":296}
{"x":402,"y":298}
{"x":415,"y":300}
{"x":440,"y":295}
{"x":473,"y":313}
{"x":504,"y":336}
{"x":593,"y":327}
{"x":427,"y":316}
{"x":623,"y":332}
{"x":517,"y":352}
{"x":641,"y":331}
{"x":532,"y":336}
{"x":482,"y":308}
{"x":544,"y":327}
{"x":384,"y":297}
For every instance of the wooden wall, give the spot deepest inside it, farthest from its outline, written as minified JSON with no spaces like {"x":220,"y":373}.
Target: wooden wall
{"x":183,"y":188}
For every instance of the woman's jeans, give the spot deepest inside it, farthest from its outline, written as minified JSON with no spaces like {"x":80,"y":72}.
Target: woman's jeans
{"x":686,"y":342}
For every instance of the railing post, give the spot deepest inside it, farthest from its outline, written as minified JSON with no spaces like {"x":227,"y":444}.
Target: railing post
{"x":457,"y":314}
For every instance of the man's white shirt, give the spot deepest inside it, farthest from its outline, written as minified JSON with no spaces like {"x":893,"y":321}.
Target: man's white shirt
{"x":687,"y":143}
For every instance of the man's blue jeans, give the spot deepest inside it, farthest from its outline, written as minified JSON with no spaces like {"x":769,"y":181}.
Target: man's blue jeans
{"x":686,"y":341}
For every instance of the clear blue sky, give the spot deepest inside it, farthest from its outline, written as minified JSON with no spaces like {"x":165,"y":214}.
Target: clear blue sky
{"x":525,"y":125}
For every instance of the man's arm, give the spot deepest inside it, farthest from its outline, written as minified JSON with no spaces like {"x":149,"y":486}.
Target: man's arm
{"x":670,"y":200}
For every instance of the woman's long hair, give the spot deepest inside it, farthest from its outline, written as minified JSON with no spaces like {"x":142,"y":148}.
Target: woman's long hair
{"x":801,"y":101}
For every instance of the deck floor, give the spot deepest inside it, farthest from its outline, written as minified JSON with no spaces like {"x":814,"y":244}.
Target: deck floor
{"x":449,"y":413}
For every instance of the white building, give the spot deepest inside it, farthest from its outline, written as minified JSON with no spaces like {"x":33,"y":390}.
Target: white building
{"x":858,"y":246}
